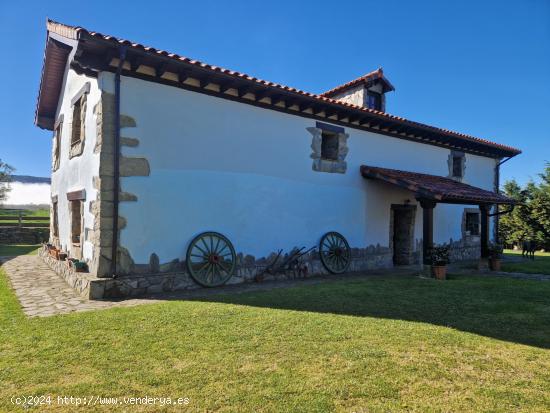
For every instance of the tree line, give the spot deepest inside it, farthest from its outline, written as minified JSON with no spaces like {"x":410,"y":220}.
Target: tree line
{"x":530,"y":219}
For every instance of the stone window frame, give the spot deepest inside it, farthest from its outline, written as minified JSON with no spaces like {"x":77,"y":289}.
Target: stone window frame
{"x":55,"y":218}
{"x":76,"y":198}
{"x":56,"y":149}
{"x":79,"y":108}
{"x":472,"y":238}
{"x":338,"y":165}
{"x":450,"y":161}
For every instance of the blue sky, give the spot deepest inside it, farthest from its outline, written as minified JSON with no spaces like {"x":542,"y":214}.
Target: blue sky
{"x":477,"y":67}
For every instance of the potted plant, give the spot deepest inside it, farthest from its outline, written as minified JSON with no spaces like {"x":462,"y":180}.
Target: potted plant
{"x":439,"y":257}
{"x":495,"y":254}
{"x":77,"y":265}
{"x":54,"y":252}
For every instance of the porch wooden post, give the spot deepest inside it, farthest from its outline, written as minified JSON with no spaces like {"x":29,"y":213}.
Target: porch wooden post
{"x":427,"y":228}
{"x":484,"y":235}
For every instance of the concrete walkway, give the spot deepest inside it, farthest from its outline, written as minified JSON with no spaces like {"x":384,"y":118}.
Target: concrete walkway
{"x":43,"y":293}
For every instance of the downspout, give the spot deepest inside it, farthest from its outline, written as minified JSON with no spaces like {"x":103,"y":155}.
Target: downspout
{"x":496,"y":215}
{"x":116,"y":153}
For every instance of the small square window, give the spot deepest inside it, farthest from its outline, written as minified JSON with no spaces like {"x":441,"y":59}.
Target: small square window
{"x":472,"y":223}
{"x":374,"y":100}
{"x":329,"y":146}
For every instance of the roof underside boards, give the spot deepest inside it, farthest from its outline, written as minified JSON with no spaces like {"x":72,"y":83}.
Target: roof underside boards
{"x":55,"y":61}
{"x":437,"y":188}
{"x":97,"y":52}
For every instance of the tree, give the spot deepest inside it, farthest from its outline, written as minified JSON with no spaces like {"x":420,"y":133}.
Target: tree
{"x":5,"y":177}
{"x":530,"y":219}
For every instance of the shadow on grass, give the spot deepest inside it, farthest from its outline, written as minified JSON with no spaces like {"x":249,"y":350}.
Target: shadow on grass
{"x":15,"y":250}
{"x":516,"y":263}
{"x":512,"y":310}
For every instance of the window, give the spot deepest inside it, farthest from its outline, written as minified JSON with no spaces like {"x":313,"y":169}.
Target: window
{"x":55,"y":222}
{"x":457,"y":164}
{"x":329,"y":148}
{"x":472,"y":222}
{"x":78,"y":124}
{"x":78,"y":130}
{"x":57,"y":146}
{"x":76,"y":221}
{"x":374,"y":100}
{"x":329,"y":145}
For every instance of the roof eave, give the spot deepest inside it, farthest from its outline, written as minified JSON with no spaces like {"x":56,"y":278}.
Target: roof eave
{"x":56,"y":55}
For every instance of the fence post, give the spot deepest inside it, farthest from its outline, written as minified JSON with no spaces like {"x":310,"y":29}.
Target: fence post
{"x":20,"y":219}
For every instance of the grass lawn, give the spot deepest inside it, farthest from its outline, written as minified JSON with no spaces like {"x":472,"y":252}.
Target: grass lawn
{"x":380,"y":344}
{"x":540,"y":265}
{"x":15,"y":249}
{"x":26,"y":212}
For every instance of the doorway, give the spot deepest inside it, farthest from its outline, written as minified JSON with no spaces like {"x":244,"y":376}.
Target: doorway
{"x":403,"y":234}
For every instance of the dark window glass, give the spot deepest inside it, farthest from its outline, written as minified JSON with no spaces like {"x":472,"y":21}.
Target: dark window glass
{"x":457,"y":166}
{"x":472,"y":223}
{"x":57,"y":146}
{"x":54,"y":218}
{"x":329,"y":146}
{"x":374,"y":100}
{"x":76,"y":221}
{"x":77,"y":122}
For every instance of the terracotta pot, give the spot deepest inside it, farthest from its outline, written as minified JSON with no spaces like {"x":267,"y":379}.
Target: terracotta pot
{"x":439,"y":272}
{"x":494,"y":264}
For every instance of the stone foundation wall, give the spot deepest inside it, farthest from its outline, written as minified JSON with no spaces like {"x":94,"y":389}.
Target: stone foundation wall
{"x":80,"y":282}
{"x":173,"y":276}
{"x":23,"y":235}
{"x":464,"y":249}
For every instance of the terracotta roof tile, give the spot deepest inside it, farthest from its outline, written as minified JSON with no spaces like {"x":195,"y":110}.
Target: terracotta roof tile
{"x":435,"y":187}
{"x":70,"y":31}
{"x":375,"y":74}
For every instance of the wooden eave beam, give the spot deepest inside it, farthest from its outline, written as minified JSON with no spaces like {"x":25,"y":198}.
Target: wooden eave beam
{"x":161,"y":70}
{"x":135,"y":62}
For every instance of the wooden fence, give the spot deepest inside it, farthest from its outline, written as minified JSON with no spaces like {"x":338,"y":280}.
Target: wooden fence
{"x":19,"y":220}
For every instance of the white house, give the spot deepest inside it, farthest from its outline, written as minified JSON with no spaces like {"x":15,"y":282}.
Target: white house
{"x":166,"y":167}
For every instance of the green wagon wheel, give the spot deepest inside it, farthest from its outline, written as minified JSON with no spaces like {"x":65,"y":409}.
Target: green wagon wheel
{"x":335,"y":252}
{"x":211,"y":259}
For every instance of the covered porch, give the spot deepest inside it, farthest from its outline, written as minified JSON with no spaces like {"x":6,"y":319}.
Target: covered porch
{"x":430,"y":190}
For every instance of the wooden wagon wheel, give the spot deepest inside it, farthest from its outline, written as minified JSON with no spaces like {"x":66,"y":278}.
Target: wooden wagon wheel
{"x":211,"y":259}
{"x":335,"y":252}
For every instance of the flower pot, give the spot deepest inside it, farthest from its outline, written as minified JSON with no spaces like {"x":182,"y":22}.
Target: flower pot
{"x":494,"y":264}
{"x":439,"y":272}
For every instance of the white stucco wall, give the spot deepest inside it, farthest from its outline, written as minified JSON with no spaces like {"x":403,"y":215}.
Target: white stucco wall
{"x":246,"y":172}
{"x":76,"y":173}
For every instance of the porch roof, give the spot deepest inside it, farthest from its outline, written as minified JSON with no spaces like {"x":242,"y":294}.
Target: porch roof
{"x":436,"y":188}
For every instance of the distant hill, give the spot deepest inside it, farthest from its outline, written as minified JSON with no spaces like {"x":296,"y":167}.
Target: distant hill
{"x":26,"y":179}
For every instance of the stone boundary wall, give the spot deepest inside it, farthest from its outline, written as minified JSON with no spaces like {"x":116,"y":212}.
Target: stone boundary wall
{"x":464,"y":250}
{"x":23,"y":235}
